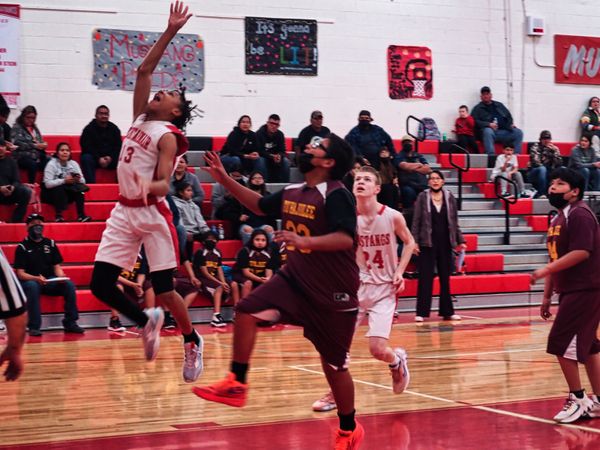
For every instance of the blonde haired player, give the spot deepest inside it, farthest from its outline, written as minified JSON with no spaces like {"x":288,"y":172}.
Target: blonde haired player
{"x":142,"y":216}
{"x":380,"y":275}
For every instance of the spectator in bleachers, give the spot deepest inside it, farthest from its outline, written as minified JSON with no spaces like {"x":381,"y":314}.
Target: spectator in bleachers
{"x":100,"y":144}
{"x":507,"y":165}
{"x":348,"y":179}
{"x":437,"y":233}
{"x":366,"y":139}
{"x":4,"y":126}
{"x":316,"y":128}
{"x":64,"y":184}
{"x":544,"y":157}
{"x":585,"y":160}
{"x":182,"y":174}
{"x":12,"y":192}
{"x":220,"y":196}
{"x":389,"y":194}
{"x":249,"y":220}
{"x":37,"y":262}
{"x":413,"y":169}
{"x":253,"y":263}
{"x":494,"y":123}
{"x":191,"y":217}
{"x":241,"y":146}
{"x":590,"y":121}
{"x":271,"y":145}
{"x":208,"y":266}
{"x":136,"y":286}
{"x":464,"y":127}
{"x":31,"y":148}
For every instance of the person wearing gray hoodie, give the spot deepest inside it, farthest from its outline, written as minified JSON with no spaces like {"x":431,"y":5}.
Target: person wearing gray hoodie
{"x":191,"y":216}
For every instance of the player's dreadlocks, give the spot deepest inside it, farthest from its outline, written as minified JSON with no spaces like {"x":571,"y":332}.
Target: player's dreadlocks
{"x":188,"y":111}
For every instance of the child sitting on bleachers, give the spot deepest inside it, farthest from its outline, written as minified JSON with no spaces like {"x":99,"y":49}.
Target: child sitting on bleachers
{"x":507,"y":165}
{"x":254,"y":264}
{"x":464,"y":128}
{"x":191,"y":217}
{"x":208,"y":266}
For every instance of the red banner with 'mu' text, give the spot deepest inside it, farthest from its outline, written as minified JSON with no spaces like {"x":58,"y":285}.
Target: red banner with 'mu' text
{"x":577,"y":59}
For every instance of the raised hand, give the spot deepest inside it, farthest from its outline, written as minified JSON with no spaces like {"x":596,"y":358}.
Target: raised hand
{"x":214,"y":167}
{"x":178,"y":15}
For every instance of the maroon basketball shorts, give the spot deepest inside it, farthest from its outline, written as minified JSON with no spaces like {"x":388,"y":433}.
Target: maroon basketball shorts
{"x":329,"y":329}
{"x":573,"y":333}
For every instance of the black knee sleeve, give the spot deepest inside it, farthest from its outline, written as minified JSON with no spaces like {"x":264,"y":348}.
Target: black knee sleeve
{"x":162,"y":281}
{"x":104,"y":280}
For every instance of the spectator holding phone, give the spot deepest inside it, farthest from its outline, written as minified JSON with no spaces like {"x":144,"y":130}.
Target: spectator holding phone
{"x":64,"y":184}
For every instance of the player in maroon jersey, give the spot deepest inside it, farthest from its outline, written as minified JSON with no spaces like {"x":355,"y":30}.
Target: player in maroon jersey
{"x":317,"y":287}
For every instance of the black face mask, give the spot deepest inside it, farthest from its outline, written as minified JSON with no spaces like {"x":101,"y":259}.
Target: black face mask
{"x":255,"y":187}
{"x":210,"y":245}
{"x":364,"y":123}
{"x":407,"y":148}
{"x":36,"y":232}
{"x":557,"y":200}
{"x":305,"y":162}
{"x":436,"y":190}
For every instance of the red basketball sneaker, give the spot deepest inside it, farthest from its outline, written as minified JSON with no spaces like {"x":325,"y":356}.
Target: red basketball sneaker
{"x":349,"y":440}
{"x":228,"y":391}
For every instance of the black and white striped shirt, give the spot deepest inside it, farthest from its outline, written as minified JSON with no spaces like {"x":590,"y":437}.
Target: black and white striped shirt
{"x":12,"y":297}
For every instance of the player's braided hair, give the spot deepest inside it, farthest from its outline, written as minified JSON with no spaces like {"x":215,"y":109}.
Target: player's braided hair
{"x":188,"y":111}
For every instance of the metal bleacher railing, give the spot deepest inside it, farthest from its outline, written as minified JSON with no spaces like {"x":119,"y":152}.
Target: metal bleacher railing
{"x":508,"y":200}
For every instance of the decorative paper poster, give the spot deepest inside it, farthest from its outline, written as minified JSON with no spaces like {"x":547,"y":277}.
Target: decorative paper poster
{"x":281,"y":46}
{"x":577,"y":59}
{"x":117,"y":53}
{"x":410,"y":73}
{"x":10,"y":34}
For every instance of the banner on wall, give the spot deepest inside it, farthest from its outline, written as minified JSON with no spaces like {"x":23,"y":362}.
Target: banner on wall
{"x":410,"y":73}
{"x":10,"y":30}
{"x":117,"y":53}
{"x":281,"y":46}
{"x":576,"y":59}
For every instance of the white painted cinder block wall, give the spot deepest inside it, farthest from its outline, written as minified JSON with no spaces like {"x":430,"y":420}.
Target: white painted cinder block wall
{"x":469,"y":40}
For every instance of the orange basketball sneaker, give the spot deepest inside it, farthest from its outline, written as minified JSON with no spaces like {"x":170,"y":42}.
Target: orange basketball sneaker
{"x":349,"y":440}
{"x":228,"y":391}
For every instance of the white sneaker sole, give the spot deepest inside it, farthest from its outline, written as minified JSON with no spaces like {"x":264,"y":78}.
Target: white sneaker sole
{"x":404,"y":367}
{"x":197,"y":371}
{"x":152,"y":342}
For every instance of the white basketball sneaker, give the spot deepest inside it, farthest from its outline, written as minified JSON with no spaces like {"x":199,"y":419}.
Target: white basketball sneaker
{"x":594,"y":411}
{"x":151,"y":332}
{"x":192,"y":362}
{"x":325,"y":403}
{"x":400,"y":373}
{"x":574,"y":408}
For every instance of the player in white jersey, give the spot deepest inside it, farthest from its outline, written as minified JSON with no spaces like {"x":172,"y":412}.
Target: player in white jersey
{"x":142,"y":216}
{"x":381,"y":275}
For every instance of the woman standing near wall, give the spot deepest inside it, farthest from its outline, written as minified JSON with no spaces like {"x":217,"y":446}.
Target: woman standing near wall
{"x":436,"y":231}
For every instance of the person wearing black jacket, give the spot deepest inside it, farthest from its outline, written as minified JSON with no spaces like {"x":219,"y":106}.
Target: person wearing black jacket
{"x":241,"y":147}
{"x":494,"y":123}
{"x":11,"y":190}
{"x":315,"y":128}
{"x":271,"y":146}
{"x":100,"y":144}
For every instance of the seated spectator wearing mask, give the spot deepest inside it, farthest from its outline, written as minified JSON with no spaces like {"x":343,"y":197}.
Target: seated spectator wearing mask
{"x":366,"y":139}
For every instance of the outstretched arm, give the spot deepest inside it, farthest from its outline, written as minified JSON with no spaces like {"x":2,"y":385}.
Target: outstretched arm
{"x":177,"y":18}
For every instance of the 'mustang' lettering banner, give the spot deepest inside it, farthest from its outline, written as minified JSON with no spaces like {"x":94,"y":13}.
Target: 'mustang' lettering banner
{"x":117,"y":53}
{"x":577,"y":59}
{"x":281,"y":46}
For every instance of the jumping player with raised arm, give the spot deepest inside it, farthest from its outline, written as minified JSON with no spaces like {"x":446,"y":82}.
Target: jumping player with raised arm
{"x":142,"y":216}
{"x":380,"y":275}
{"x":317,"y":287}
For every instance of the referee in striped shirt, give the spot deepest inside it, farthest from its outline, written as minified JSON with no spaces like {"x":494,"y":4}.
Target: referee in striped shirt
{"x":13,"y":310}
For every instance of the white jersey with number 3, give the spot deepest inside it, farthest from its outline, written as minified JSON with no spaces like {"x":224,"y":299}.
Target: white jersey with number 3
{"x":377,"y":252}
{"x":140,"y":154}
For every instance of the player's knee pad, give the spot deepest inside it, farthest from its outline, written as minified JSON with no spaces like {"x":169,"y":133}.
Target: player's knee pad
{"x":104,"y":279}
{"x":162,"y":281}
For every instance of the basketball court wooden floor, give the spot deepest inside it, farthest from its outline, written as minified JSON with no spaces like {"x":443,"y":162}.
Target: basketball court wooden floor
{"x":482,"y":383}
